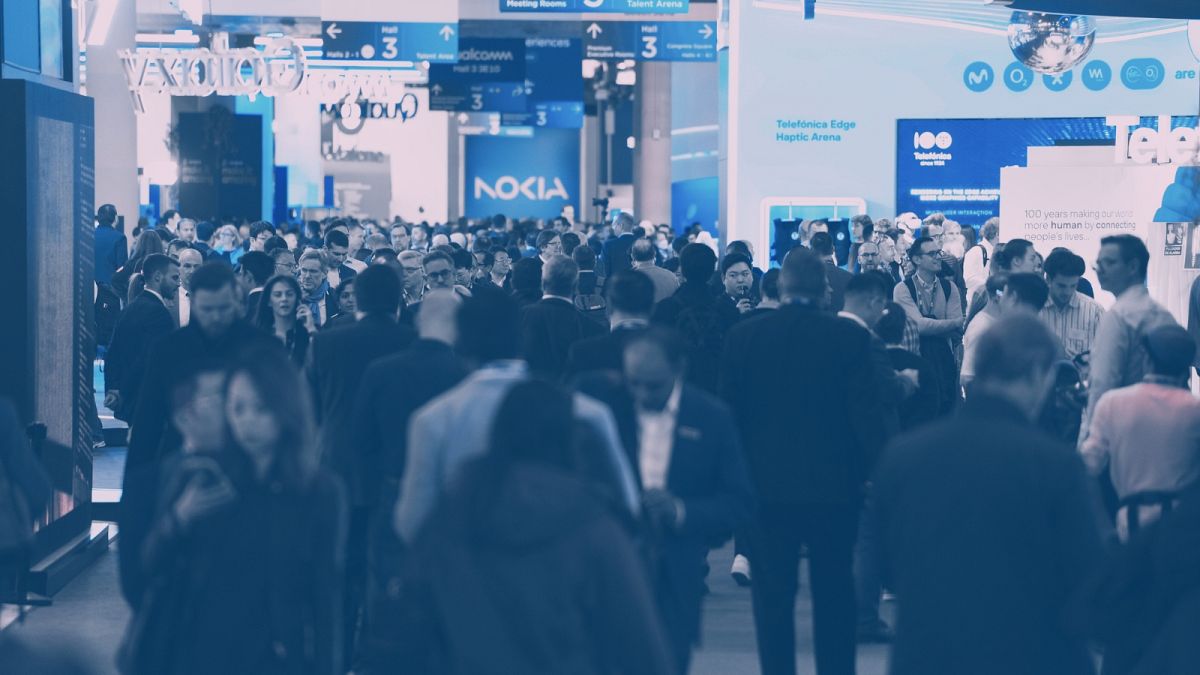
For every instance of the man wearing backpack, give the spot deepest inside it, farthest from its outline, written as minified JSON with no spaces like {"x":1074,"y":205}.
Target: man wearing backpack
{"x":935,"y":305}
{"x":698,"y":316}
{"x":976,"y":259}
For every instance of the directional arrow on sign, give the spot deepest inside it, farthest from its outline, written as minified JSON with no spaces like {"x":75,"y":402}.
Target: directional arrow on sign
{"x":594,"y":30}
{"x":706,"y":31}
{"x":436,"y":89}
{"x":333,"y":31}
{"x":446,"y":32}
{"x":519,"y":90}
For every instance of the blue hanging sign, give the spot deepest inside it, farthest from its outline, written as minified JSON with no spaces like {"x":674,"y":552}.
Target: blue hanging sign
{"x":489,"y":76}
{"x":650,"y":40}
{"x":590,"y":6}
{"x":377,"y":41}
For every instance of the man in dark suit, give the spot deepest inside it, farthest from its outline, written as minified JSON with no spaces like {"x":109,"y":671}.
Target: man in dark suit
{"x":112,"y":249}
{"x":987,"y":526}
{"x":698,"y":316}
{"x":630,"y":302}
{"x":253,"y":270}
{"x":146,"y":321}
{"x":695,"y":487}
{"x":803,"y":389}
{"x":215,"y":339}
{"x":392,"y":389}
{"x":616,"y":250}
{"x":552,"y":325}
{"x":822,"y":244}
{"x":338,"y":358}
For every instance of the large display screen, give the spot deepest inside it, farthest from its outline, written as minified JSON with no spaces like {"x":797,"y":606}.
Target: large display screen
{"x":953,"y":165}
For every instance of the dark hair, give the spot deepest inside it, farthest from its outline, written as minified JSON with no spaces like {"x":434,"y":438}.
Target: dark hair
{"x":585,"y":257}
{"x":462,"y":259}
{"x":106,"y":214}
{"x":205,"y":230}
{"x":1013,"y":348}
{"x":155,"y":263}
{"x":336,"y":238}
{"x":868,"y":225}
{"x":437,"y":254}
{"x":890,"y":327}
{"x":559,"y":276}
{"x":147,"y":244}
{"x":915,"y":250}
{"x":679,"y":243}
{"x":258,"y":227}
{"x":283,"y":393}
{"x":275,"y":243}
{"x":1017,"y":249}
{"x":167,"y":215}
{"x":867,"y":283}
{"x":732,"y":259}
{"x":1030,"y":290}
{"x":489,"y":327}
{"x":632,"y":292}
{"x":803,"y":274}
{"x":212,"y":276}
{"x":668,"y":341}
{"x":570,"y":241}
{"x":385,"y":254}
{"x":545,"y":237}
{"x":264,"y":317}
{"x":739,"y":246}
{"x":258,"y":264}
{"x":770,"y":284}
{"x":1171,"y":350}
{"x":697,"y":262}
{"x":527,"y":275}
{"x":343,"y":285}
{"x":642,"y":250}
{"x":535,"y":423}
{"x":377,"y":290}
{"x":1132,"y":248}
{"x":1001,"y":262}
{"x":821,"y":244}
{"x":1063,"y":263}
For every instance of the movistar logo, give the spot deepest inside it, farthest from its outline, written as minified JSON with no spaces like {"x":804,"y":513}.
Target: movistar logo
{"x":534,"y":188}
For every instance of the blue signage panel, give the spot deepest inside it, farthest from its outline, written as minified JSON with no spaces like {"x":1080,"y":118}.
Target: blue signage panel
{"x":489,"y":76}
{"x":585,"y":6}
{"x":534,"y":177}
{"x":953,"y":165}
{"x":554,"y":82}
{"x":375,"y":41}
{"x":650,"y":40}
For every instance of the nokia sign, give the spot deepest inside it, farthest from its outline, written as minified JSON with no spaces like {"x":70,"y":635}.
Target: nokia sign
{"x":522,"y":177}
{"x":534,"y":188}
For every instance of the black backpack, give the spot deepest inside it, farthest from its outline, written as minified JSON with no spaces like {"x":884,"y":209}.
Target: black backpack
{"x":108,"y":311}
{"x":593,"y":306}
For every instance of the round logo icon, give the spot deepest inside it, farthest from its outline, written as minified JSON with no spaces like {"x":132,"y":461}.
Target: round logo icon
{"x":1096,"y":75}
{"x":1058,"y":81}
{"x":943,"y":140}
{"x":926,"y":140}
{"x":368,"y":52}
{"x":979,"y":76}
{"x":1017,"y":77}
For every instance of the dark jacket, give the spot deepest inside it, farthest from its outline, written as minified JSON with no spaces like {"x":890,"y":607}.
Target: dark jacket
{"x":703,"y":323}
{"x":616,"y":254}
{"x":986,"y":528}
{"x":112,"y":251}
{"x":603,"y":352}
{"x":541,"y":580}
{"x":392,"y":389}
{"x":839,"y":279}
{"x":1144,"y":604}
{"x":178,"y":356}
{"x":276,"y":556}
{"x":708,"y":474}
{"x":338,"y":358}
{"x":805,"y":394}
{"x":548,"y":330}
{"x":143,"y":324}
{"x":922,"y":406}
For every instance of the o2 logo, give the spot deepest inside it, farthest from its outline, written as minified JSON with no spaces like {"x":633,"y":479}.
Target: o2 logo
{"x":929,"y":140}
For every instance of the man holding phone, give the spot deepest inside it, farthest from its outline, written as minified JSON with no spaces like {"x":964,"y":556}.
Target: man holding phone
{"x":738,"y":278}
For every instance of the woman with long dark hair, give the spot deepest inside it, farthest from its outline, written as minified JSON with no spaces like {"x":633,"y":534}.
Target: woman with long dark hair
{"x":256,"y":556}
{"x":281,"y":314}
{"x":523,"y":568}
{"x":146,"y":244}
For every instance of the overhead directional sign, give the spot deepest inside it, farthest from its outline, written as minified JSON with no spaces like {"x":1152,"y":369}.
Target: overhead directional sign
{"x":376,"y":41}
{"x":650,"y":40}
{"x":554,"y":83}
{"x":586,"y":6}
{"x":488,"y":76}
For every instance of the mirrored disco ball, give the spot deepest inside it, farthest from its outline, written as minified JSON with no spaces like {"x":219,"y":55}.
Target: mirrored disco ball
{"x":1051,"y":43}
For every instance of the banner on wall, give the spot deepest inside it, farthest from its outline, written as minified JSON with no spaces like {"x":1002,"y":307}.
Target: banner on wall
{"x":533,"y":177}
{"x":220,"y":165}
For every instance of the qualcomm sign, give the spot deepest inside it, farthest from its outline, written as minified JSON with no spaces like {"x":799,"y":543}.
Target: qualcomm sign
{"x":1143,"y":145}
{"x":278,"y":69}
{"x":522,"y":177}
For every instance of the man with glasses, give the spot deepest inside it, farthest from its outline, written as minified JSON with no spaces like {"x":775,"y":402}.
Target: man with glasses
{"x":439,"y":270}
{"x":549,"y":244}
{"x":414,"y":278}
{"x":315,"y":286}
{"x":285,"y":262}
{"x":1119,"y":357}
{"x":934,"y":304}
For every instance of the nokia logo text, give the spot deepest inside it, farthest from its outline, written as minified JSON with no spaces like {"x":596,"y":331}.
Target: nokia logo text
{"x":534,"y":188}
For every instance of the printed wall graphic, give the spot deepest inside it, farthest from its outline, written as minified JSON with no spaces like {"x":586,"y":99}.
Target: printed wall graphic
{"x":534,"y":177}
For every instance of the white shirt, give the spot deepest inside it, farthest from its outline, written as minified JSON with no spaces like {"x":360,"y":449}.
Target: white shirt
{"x":975,"y":330}
{"x":975,"y":273}
{"x":656,"y":440}
{"x":184,"y":302}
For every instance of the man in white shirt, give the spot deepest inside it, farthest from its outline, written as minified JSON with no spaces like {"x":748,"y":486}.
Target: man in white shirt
{"x":1072,"y":316}
{"x":977,"y":258}
{"x":190,"y":260}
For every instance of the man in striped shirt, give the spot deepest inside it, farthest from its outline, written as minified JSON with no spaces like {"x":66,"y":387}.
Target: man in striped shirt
{"x":1072,"y":316}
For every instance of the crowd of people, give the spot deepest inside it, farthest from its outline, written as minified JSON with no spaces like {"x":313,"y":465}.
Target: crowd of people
{"x":509,"y":447}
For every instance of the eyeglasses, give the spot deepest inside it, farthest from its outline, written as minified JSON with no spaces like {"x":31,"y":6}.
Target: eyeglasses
{"x":444,"y":274}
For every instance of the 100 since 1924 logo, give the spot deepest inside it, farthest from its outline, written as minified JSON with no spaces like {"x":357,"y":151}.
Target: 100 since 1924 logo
{"x":930,"y":148}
